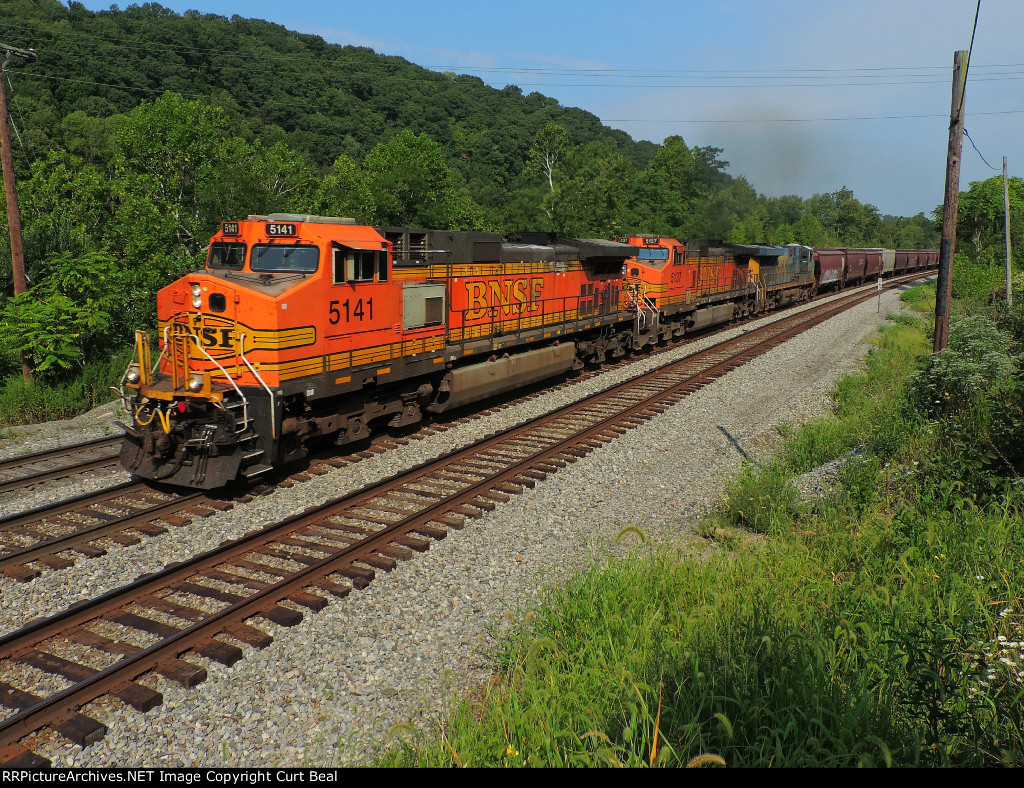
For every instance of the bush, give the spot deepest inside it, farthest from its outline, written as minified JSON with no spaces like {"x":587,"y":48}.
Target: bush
{"x":978,"y":361}
{"x":21,"y":404}
{"x":974,"y":394}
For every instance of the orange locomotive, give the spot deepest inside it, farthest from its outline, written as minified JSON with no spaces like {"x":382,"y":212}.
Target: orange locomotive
{"x":685,"y":287}
{"x":303,"y":329}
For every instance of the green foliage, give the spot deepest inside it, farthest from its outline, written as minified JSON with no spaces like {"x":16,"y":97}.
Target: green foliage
{"x":844,"y":218}
{"x":46,"y":400}
{"x":61,"y":319}
{"x":980,"y":223}
{"x":762,"y":500}
{"x":878,"y":627}
{"x":67,"y":207}
{"x":174,"y":163}
{"x":344,"y":191}
{"x":973,"y":394}
{"x":594,"y":195}
{"x":547,"y":149}
{"x":913,"y":232}
{"x":976,"y":281}
{"x":413,"y":186}
{"x":978,"y":360}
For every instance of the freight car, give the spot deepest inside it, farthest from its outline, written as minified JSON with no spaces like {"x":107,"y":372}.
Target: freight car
{"x":835,"y":269}
{"x":306,"y":329}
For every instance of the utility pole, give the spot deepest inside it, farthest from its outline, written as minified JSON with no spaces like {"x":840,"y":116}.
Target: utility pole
{"x":1006,"y":219}
{"x":13,"y":211}
{"x":951,"y":202}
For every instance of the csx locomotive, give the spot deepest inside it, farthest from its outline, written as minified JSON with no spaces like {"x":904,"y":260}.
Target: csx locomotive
{"x":307,"y":329}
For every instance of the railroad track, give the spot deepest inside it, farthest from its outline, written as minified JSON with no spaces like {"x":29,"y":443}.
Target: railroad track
{"x":211,"y":602}
{"x":56,"y":535}
{"x":52,"y":536}
{"x":19,"y":473}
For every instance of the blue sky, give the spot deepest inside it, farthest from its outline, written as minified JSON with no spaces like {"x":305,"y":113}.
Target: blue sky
{"x":754,"y":77}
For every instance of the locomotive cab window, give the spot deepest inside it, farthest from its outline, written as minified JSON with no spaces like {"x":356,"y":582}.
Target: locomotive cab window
{"x":357,"y":265}
{"x":655,"y":257}
{"x":281,"y":258}
{"x":230,"y":256}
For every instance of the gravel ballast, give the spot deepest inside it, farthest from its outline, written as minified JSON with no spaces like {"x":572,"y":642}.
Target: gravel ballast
{"x":328,"y":691}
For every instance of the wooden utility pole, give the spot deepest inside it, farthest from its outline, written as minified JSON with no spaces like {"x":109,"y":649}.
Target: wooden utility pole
{"x":951,"y":202}
{"x":13,"y":211}
{"x":1006,"y":219}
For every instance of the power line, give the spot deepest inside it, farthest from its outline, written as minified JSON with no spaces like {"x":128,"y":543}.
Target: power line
{"x":161,"y":91}
{"x":760,"y":74}
{"x":29,"y":150}
{"x":604,"y":85}
{"x":803,"y":120}
{"x":979,"y":152}
{"x":544,"y":85}
{"x":765,"y":74}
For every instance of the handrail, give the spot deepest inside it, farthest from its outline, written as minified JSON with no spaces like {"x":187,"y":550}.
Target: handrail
{"x":245,"y":402}
{"x":163,"y":352}
{"x":273,"y":409}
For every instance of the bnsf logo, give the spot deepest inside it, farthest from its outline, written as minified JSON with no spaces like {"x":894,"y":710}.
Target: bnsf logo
{"x":512,"y":296}
{"x":216,"y":337}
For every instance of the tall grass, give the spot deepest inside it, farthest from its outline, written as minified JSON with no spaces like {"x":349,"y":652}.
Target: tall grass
{"x":879,"y":625}
{"x":47,"y":401}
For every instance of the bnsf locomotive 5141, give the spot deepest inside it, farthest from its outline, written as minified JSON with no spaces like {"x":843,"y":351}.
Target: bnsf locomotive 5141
{"x":305,"y":329}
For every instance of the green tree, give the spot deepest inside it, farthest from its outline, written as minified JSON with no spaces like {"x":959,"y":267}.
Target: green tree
{"x":67,"y":206}
{"x":63,"y":321}
{"x":280,"y":180}
{"x":412,"y":185}
{"x":809,"y":232}
{"x":344,"y":191}
{"x":981,"y":223}
{"x":172,"y":168}
{"x":846,"y":219}
{"x":595,"y":195}
{"x":548,"y":147}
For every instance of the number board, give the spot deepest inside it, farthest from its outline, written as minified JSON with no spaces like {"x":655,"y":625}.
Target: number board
{"x":275,"y":229}
{"x":651,"y":241}
{"x":229,"y":228}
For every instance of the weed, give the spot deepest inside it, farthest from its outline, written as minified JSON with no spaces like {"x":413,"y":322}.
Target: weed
{"x":856,"y":633}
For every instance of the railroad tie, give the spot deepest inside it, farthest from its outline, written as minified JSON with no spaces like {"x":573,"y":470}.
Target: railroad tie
{"x":250,"y":635}
{"x":80,"y":729}
{"x":221,"y":652}
{"x":14,"y":756}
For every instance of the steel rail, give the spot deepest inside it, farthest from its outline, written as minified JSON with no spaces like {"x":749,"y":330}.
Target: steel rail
{"x":57,"y":544}
{"x":49,"y":474}
{"x":64,"y":704}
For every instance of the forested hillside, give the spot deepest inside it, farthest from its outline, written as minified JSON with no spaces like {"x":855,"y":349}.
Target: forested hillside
{"x":137,"y":131}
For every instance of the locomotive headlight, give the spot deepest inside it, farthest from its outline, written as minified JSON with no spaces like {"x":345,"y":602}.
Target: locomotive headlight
{"x":197,"y":296}
{"x":196,"y":291}
{"x":197,"y":302}
{"x":134,"y":376}
{"x":195,"y":384}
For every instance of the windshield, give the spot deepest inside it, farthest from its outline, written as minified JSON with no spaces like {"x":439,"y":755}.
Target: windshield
{"x":655,"y":257}
{"x":281,"y":258}
{"x":226,"y":255}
